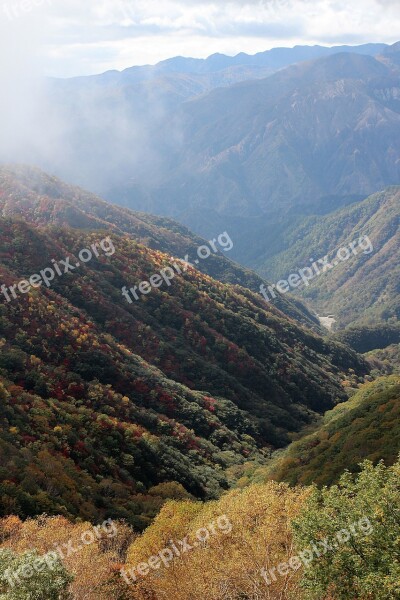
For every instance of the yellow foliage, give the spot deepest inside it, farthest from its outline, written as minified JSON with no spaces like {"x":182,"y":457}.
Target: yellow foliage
{"x":227,"y":566}
{"x":35,"y":361}
{"x":91,"y":564}
{"x":172,"y":523}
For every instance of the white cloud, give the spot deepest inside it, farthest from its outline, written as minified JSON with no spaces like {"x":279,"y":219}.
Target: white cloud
{"x":95,"y":35}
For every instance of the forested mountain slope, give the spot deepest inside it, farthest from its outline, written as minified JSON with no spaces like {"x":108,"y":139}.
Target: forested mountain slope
{"x":43,"y":200}
{"x":364,"y":427}
{"x":102,"y":399}
{"x":362,"y":290}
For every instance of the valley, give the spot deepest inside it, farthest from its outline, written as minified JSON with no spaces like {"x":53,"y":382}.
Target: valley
{"x":199,"y":314}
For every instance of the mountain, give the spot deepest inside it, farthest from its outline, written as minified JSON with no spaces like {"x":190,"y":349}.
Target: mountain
{"x":363,"y":290}
{"x":45,"y":200}
{"x":285,"y":142}
{"x":253,"y":157}
{"x":169,"y":140}
{"x":104,"y":400}
{"x":222,"y":66}
{"x":364,"y":427}
{"x":260,"y":155}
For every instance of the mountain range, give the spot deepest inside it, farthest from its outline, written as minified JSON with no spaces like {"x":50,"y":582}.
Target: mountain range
{"x":201,"y":345}
{"x":254,"y":157}
{"x":195,"y":379}
{"x":307,"y":140}
{"x":118,"y":398}
{"x":221,"y":69}
{"x":362,"y":290}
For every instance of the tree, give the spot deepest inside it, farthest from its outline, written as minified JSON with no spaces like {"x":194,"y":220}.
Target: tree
{"x":361,"y":518}
{"x":29,"y":576}
{"x":221,"y":562}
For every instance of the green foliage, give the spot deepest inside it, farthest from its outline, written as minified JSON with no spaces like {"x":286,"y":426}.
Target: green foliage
{"x":105,"y":400}
{"x":363,"y":290}
{"x":366,"y":426}
{"x":367,"y":565}
{"x":28,"y":576}
{"x":370,"y":337}
{"x":385,"y":361}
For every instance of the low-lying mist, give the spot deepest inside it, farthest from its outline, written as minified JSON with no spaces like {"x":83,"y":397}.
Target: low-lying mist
{"x":87,"y":132}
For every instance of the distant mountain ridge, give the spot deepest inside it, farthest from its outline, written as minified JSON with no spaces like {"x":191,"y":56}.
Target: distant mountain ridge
{"x":256,"y":140}
{"x":110,"y":117}
{"x":261,"y":155}
{"x":274,"y":59}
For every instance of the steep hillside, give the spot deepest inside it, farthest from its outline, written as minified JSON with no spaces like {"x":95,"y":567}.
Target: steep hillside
{"x":365,"y":427}
{"x":44,"y":200}
{"x":362,"y":290}
{"x":366,"y":338}
{"x":259,"y":155}
{"x":102,"y":399}
{"x":385,"y":361}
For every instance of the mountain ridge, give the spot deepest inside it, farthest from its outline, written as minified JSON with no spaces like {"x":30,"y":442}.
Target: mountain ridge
{"x":43,"y":200}
{"x":275,"y":58}
{"x":190,"y":379}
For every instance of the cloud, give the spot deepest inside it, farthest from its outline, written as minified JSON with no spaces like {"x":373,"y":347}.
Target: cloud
{"x":82,"y":37}
{"x":93,"y":36}
{"x":71,"y":37}
{"x":20,"y":45}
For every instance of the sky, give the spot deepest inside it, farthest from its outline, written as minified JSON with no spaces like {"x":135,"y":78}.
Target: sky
{"x":65,"y":38}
